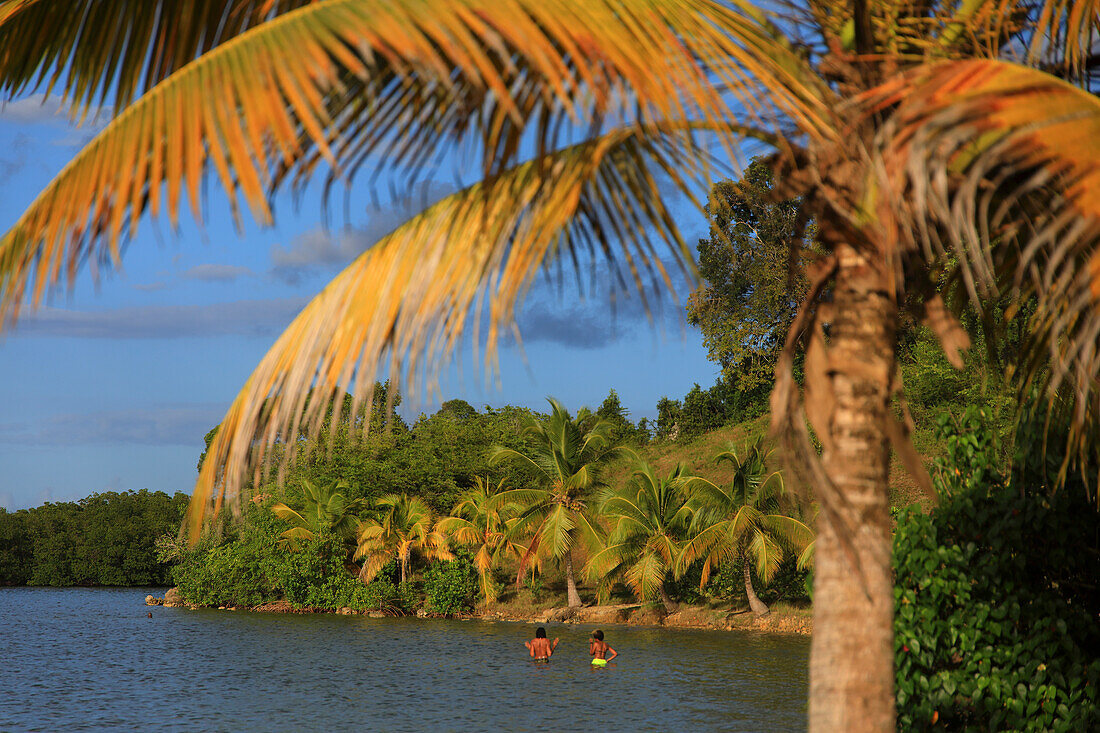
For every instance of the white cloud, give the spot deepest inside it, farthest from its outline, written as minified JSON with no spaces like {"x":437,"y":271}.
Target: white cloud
{"x":320,"y":249}
{"x":242,"y":318}
{"x":36,"y":108}
{"x":215,"y":273}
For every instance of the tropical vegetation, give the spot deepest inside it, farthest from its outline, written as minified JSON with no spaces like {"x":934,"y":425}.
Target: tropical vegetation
{"x":929,"y":141}
{"x":108,"y":538}
{"x":749,"y":517}
{"x":326,"y":509}
{"x":568,"y":456}
{"x":650,"y":518}
{"x":480,"y":522}
{"x":403,"y":526}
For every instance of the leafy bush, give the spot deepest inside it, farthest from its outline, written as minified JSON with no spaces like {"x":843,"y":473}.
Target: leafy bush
{"x":995,"y":625}
{"x":451,"y":586}
{"x":728,"y":584}
{"x":253,"y":569}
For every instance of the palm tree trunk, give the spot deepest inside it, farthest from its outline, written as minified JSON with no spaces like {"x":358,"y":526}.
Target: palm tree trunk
{"x":570,"y":582}
{"x":404,"y":568}
{"x":852,"y":652}
{"x":759,"y":608}
{"x":670,"y":605}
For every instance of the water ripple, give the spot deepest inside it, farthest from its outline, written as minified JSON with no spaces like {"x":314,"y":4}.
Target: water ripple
{"x":90,"y":659}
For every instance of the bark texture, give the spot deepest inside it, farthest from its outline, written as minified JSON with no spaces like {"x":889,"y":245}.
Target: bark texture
{"x":670,"y":605}
{"x":759,"y":608}
{"x":852,"y":652}
{"x":571,"y":582}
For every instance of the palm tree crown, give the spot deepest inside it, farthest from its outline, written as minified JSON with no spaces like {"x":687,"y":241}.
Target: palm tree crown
{"x":326,"y":509}
{"x":743,"y":519}
{"x":650,"y":520}
{"x":404,"y":526}
{"x":481,"y":522}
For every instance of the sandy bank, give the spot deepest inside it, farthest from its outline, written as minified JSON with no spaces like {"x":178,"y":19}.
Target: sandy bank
{"x":781,"y":621}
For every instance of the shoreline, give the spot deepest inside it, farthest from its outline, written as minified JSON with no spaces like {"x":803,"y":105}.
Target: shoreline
{"x":779,"y":621}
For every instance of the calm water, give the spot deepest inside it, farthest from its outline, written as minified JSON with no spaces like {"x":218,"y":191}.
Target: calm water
{"x":80,"y":659}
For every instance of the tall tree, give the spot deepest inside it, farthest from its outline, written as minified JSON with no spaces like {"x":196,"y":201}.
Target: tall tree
{"x":753,"y":276}
{"x":913,"y":141}
{"x":744,"y":520}
{"x":568,"y":456}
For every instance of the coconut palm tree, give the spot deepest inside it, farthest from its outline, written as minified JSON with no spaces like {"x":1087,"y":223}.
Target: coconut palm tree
{"x":480,"y":522}
{"x":568,"y":456}
{"x":925,"y":138}
{"x":404,"y":526}
{"x":650,"y":521}
{"x":325,"y":509}
{"x":743,"y":520}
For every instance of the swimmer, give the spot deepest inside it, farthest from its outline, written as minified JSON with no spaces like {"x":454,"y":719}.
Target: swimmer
{"x":540,"y":646}
{"x":599,"y":648}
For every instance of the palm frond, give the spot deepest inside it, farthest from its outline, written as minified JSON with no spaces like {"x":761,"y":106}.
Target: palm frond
{"x":408,"y":298}
{"x":646,"y":575}
{"x":282,"y":511}
{"x":250,"y":111}
{"x":105,"y":52}
{"x":1001,"y":166}
{"x":767,"y":553}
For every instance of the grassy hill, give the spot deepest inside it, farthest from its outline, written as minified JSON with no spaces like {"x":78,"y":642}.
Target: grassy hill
{"x":698,"y":455}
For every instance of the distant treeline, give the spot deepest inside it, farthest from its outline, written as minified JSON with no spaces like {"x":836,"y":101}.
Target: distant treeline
{"x":104,"y":539}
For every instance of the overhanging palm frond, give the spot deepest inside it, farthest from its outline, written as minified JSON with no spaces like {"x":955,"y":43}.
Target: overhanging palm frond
{"x":1002,"y":168}
{"x":407,"y":300}
{"x":479,"y":71}
{"x":96,"y":52}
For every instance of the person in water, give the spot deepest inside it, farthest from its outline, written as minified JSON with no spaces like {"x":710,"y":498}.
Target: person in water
{"x":540,"y":646}
{"x":599,"y":648}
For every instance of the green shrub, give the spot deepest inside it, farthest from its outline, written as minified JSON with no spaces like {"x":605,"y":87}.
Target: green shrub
{"x":451,"y":586}
{"x":996,"y":607}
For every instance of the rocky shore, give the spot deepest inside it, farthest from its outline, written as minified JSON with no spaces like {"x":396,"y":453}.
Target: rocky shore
{"x":687,"y":617}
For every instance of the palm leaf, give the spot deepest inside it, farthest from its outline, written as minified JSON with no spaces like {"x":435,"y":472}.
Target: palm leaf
{"x":1018,"y":151}
{"x":249,"y":111}
{"x":96,"y":52}
{"x":767,"y":553}
{"x":414,"y":291}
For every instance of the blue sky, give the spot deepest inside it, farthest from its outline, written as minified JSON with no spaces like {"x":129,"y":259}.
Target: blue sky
{"x":113,"y":385}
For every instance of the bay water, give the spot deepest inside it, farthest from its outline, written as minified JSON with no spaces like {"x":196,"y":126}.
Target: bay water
{"x":92,"y":659}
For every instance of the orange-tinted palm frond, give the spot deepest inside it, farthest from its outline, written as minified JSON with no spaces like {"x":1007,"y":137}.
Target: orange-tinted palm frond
{"x":424,"y":74}
{"x":1063,"y":32}
{"x":1001,"y":165}
{"x":106,"y":52}
{"x":408,"y":300}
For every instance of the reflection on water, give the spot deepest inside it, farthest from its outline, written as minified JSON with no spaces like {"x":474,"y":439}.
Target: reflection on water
{"x":91,"y":659}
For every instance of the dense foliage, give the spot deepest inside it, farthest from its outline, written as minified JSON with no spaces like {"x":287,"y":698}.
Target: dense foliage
{"x":253,"y":568}
{"x":104,"y":539}
{"x":753,"y":277}
{"x":996,"y":595}
{"x":451,"y":587}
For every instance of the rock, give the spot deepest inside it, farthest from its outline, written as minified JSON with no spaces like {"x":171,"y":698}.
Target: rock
{"x":647,"y":617}
{"x":172,"y":597}
{"x":603,"y":614}
{"x":559,"y":615}
{"x":375,"y":614}
{"x":345,"y":611}
{"x":153,"y":601}
{"x":421,"y":613}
